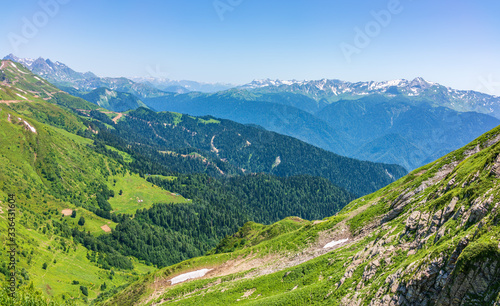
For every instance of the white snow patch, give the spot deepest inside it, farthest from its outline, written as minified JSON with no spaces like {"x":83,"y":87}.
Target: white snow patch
{"x":21,"y":96}
{"x":287,"y":82}
{"x":190,"y":275}
{"x":388,"y":173}
{"x":29,"y":126}
{"x":334,"y":243}
{"x":14,"y":65}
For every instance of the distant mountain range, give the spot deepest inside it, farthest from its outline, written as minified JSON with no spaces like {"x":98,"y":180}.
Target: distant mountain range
{"x":404,"y":122}
{"x":60,"y":74}
{"x":183,"y":86}
{"x":328,"y":91}
{"x":408,"y":131}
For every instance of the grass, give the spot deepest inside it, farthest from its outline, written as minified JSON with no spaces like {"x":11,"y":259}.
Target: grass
{"x":126,"y":157}
{"x":24,"y":156}
{"x":65,"y":261}
{"x":92,"y":224}
{"x":137,"y":193}
{"x":209,"y":121}
{"x":75,"y":138}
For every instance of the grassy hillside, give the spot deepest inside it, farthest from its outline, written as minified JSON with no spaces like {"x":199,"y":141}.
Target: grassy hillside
{"x":108,"y":99}
{"x":429,"y":238}
{"x":137,"y":193}
{"x":50,"y":172}
{"x":19,"y":84}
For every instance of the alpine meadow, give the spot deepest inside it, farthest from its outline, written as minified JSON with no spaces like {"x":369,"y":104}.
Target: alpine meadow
{"x":224,"y":152}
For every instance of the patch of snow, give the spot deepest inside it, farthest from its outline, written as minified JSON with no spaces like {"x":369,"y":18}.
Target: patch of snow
{"x":190,"y":275}
{"x":334,"y":243}
{"x":21,"y":96}
{"x":29,"y":126}
{"x":14,"y":65}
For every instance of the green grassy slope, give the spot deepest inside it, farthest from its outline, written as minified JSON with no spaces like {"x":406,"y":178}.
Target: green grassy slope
{"x":432,"y":237}
{"x":49,"y":171}
{"x":18,"y":84}
{"x":137,"y":193}
{"x":107,"y":98}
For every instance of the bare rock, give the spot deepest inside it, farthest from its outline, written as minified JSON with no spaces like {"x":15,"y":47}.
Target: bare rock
{"x":435,"y":222}
{"x":449,"y":210}
{"x":479,"y":209}
{"x":412,"y":221}
{"x":496,"y":167}
{"x":370,"y":270}
{"x":440,"y":234}
{"x":422,"y":224}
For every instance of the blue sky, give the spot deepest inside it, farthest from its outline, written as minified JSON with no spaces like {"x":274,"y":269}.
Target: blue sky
{"x":455,"y":43}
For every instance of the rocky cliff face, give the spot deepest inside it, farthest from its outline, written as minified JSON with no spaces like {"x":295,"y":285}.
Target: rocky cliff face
{"x":452,"y":213}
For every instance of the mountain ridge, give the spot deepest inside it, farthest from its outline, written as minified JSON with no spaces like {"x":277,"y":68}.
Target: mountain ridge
{"x":332,"y":90}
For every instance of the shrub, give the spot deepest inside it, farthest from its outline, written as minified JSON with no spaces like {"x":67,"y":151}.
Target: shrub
{"x":84,"y":290}
{"x":81,"y":222}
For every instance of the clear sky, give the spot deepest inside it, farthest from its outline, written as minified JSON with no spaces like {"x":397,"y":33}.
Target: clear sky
{"x":453,"y":42}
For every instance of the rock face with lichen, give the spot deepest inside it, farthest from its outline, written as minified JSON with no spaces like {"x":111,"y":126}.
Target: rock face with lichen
{"x":451,"y":227}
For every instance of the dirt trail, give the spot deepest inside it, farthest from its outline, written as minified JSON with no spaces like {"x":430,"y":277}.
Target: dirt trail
{"x":12,"y":101}
{"x":115,"y":120}
{"x":212,"y":147}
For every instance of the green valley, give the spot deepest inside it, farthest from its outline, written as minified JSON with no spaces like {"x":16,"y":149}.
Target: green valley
{"x":102,"y":202}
